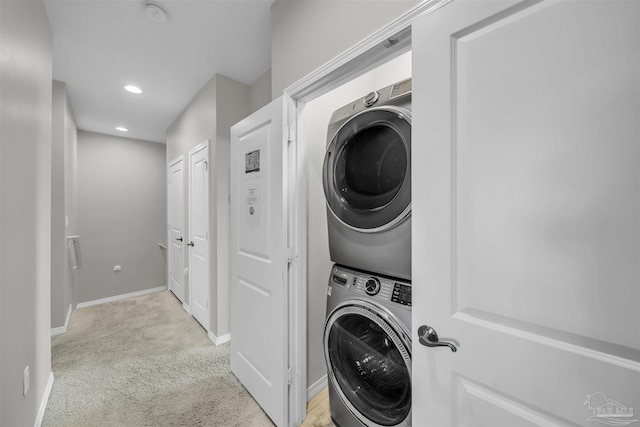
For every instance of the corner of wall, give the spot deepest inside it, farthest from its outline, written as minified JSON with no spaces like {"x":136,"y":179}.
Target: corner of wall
{"x":260,"y":92}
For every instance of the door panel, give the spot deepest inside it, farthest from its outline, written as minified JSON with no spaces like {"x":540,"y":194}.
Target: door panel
{"x":529,"y":214}
{"x":175,"y":216}
{"x":259,"y":352}
{"x":199,"y":234}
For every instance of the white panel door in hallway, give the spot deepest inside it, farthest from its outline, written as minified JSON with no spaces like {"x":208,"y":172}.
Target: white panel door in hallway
{"x":199,"y":286}
{"x":259,"y":282}
{"x":175,"y":237}
{"x":526,"y":213}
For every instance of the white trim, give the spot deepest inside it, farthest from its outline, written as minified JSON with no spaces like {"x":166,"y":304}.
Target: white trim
{"x":219,"y":340}
{"x":44,"y":401}
{"x":176,"y":160}
{"x":120,"y":297}
{"x":317,"y":387}
{"x":186,"y":308}
{"x":62,"y":329}
{"x":297,"y":295}
{"x":363,"y":56}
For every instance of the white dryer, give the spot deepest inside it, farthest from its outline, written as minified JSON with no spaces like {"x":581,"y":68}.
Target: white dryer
{"x":367,"y":182}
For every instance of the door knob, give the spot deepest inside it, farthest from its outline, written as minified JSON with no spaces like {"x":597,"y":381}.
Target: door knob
{"x":179,"y":238}
{"x":190,"y":244}
{"x":428,"y":336}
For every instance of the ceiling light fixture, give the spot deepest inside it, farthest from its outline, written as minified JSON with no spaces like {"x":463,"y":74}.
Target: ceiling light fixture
{"x":133,"y":89}
{"x":155,"y":12}
{"x":122,"y":129}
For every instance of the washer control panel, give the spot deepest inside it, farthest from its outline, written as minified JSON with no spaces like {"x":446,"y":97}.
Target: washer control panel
{"x":376,"y":287}
{"x":372,"y":286}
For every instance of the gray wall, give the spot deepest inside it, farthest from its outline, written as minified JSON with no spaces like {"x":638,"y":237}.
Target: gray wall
{"x":25,"y":202}
{"x":220,"y":103}
{"x":122,"y":215}
{"x":307,"y":34}
{"x":63,"y":147}
{"x":260,"y":92}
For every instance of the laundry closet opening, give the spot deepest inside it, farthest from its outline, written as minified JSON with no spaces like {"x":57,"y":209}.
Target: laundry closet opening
{"x":313,"y":121}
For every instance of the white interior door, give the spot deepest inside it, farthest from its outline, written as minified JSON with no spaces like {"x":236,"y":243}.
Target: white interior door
{"x":259,"y":294}
{"x":526,"y":213}
{"x":199,"y":286}
{"x":175,"y":217}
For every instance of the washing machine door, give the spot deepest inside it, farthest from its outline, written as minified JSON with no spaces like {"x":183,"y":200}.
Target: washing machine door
{"x":368,"y":357}
{"x":366,"y":174}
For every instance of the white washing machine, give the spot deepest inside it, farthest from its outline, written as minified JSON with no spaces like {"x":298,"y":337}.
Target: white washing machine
{"x":367,"y":346}
{"x":367,"y":182}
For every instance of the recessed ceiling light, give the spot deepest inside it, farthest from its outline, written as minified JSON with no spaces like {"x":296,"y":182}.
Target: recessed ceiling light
{"x":133,"y":89}
{"x":122,"y":129}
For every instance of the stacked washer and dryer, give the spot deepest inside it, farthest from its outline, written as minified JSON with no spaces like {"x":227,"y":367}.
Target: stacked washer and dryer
{"x":367,"y":184}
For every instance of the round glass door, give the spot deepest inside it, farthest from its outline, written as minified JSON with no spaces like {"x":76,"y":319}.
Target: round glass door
{"x":367,"y":176}
{"x":369,"y":365}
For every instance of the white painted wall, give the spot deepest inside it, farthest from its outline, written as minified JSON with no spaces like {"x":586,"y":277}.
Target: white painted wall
{"x":122,"y":215}
{"x":308,"y":34}
{"x":316,"y":115}
{"x":63,"y":145}
{"x":220,"y":103}
{"x":25,"y":208}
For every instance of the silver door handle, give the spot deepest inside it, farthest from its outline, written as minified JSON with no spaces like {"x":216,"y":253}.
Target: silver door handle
{"x":428,"y":336}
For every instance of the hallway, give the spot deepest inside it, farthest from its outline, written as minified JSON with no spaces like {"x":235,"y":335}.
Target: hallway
{"x":144,"y":361}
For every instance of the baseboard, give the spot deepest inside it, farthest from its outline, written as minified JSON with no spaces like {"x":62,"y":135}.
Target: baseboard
{"x":45,"y":400}
{"x":186,"y":308}
{"x":314,"y":389}
{"x":119,"y":297}
{"x":62,"y":329}
{"x":219,"y":340}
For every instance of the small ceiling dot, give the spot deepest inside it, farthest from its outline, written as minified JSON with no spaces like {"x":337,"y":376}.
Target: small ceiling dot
{"x":122,"y":129}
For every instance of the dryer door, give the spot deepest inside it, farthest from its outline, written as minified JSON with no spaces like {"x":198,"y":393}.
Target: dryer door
{"x":367,"y":176}
{"x":369,"y":363}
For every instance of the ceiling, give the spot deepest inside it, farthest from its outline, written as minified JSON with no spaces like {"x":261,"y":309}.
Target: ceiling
{"x":99,"y":46}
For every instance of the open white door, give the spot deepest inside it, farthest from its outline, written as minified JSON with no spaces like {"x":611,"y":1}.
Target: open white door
{"x":175,"y":238}
{"x":259,"y":278}
{"x":526,"y":213}
{"x":199,"y":286}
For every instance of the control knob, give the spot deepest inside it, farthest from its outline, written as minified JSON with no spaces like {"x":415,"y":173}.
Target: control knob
{"x":370,"y":99}
{"x":372,"y":286}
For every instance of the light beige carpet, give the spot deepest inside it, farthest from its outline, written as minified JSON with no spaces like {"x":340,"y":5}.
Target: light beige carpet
{"x":144,"y":362}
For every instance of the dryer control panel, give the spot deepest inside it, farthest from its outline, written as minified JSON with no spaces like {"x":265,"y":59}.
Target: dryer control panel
{"x":372,"y":286}
{"x":393,"y":94}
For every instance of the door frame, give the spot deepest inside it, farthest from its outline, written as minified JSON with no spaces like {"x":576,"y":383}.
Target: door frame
{"x":383,"y":45}
{"x":170,"y":164}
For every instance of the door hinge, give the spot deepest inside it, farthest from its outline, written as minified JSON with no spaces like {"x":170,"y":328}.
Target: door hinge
{"x":290,"y":255}
{"x":291,"y":133}
{"x":289,"y":376}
